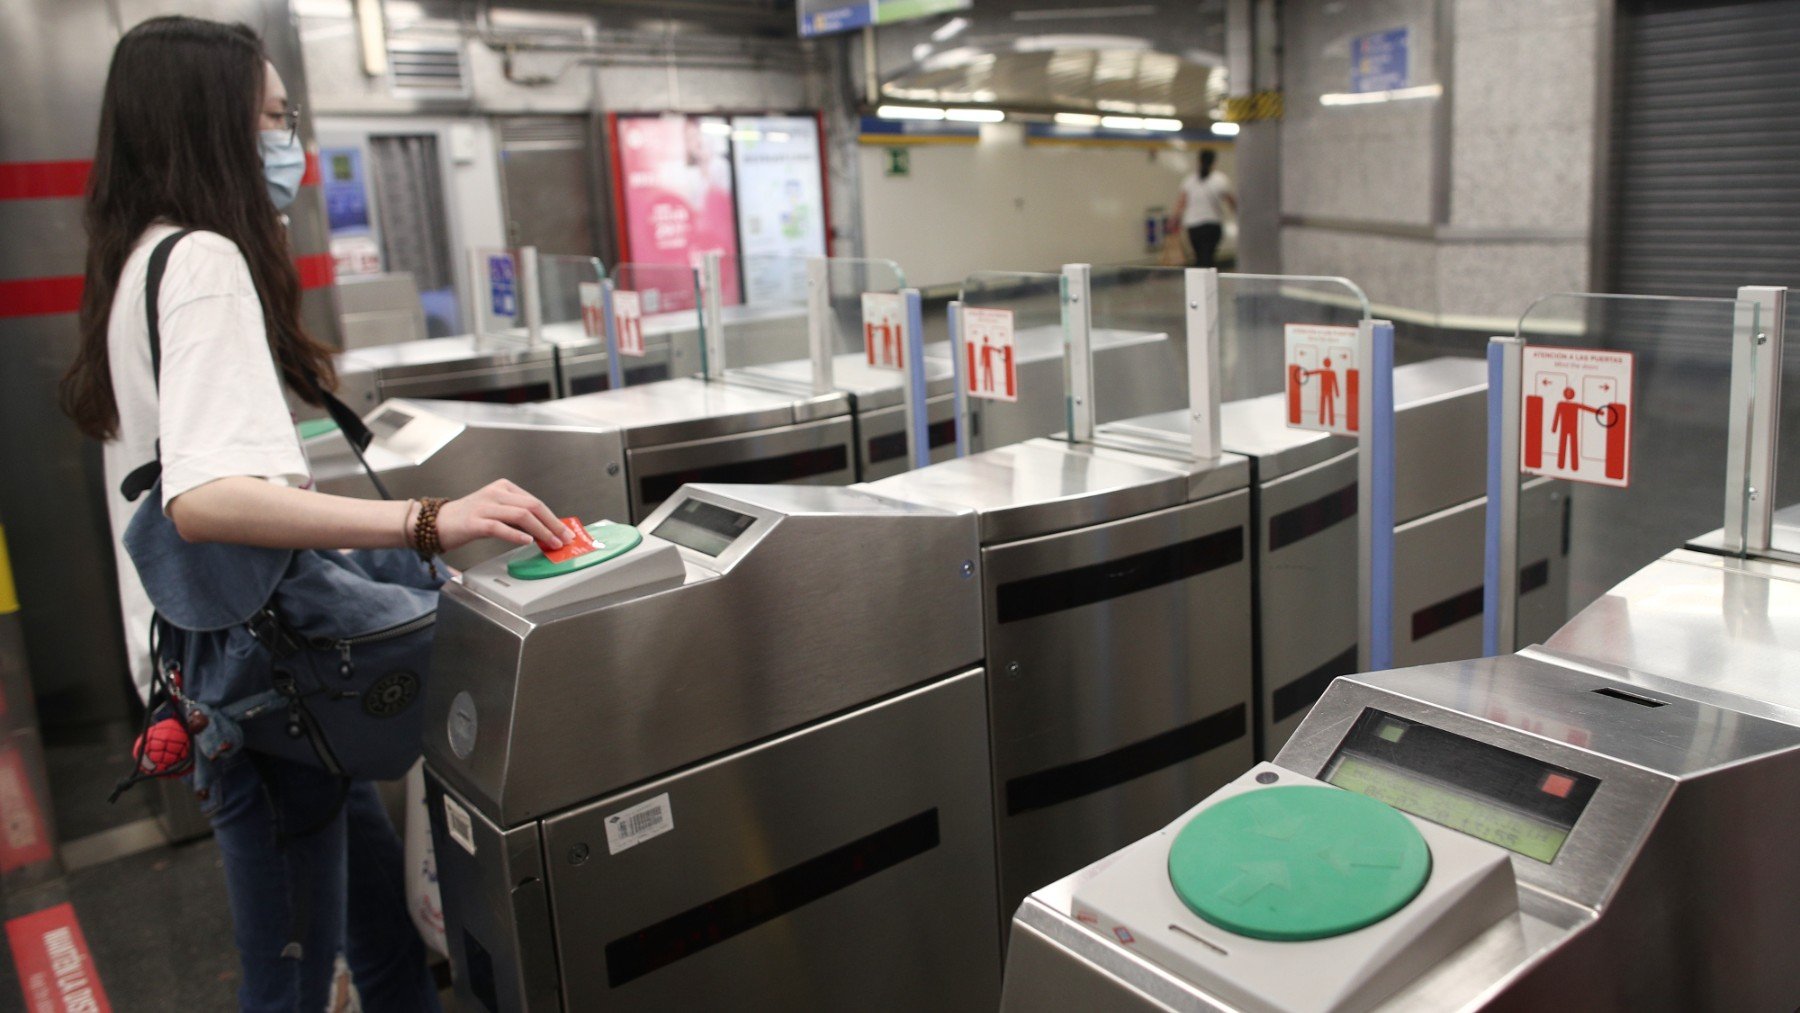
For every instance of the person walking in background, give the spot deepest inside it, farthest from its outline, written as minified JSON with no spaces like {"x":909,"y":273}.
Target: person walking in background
{"x":1205,"y":196}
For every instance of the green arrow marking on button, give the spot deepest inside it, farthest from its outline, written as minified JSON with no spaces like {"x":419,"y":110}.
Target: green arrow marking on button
{"x":1273,"y":820}
{"x":1347,"y":855}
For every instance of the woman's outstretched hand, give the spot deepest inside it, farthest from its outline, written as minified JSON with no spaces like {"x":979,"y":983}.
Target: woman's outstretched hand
{"x":499,"y":510}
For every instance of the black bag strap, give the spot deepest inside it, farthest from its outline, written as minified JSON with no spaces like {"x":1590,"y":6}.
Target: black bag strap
{"x":145,"y":475}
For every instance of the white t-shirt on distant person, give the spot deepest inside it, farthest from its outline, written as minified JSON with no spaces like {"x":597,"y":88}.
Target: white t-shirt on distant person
{"x":1205,"y":199}
{"x":220,"y":412}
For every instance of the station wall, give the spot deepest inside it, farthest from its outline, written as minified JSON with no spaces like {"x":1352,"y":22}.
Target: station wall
{"x":1004,"y":203}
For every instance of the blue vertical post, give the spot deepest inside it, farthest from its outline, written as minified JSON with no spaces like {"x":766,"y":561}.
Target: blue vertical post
{"x":960,"y":396}
{"x":1381,"y":436}
{"x":615,"y":370}
{"x":918,"y":422}
{"x":1496,"y":474}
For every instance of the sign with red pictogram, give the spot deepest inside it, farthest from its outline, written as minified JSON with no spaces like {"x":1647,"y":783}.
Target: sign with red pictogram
{"x":1576,"y":417}
{"x":628,"y":317}
{"x":991,"y":369}
{"x":1323,"y":382}
{"x":884,"y":329}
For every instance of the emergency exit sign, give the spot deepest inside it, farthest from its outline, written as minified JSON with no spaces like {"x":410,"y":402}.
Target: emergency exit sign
{"x":899,"y":161}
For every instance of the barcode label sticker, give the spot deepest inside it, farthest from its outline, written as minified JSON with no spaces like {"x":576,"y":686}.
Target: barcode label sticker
{"x":457,"y":822}
{"x":631,"y":827}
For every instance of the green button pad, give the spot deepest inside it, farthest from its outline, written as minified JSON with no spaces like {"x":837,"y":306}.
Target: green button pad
{"x":610,"y":542}
{"x":1298,"y":862}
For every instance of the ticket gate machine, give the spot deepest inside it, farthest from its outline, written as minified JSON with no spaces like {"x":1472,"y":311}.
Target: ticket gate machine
{"x":1428,"y":841}
{"x":462,"y":368}
{"x":1116,"y":615}
{"x":1306,"y":536}
{"x":876,"y":402}
{"x":1135,"y":372}
{"x":581,"y":360}
{"x":710,"y":770}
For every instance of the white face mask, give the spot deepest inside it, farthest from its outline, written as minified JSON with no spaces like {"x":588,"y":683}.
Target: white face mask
{"x":284,"y":163}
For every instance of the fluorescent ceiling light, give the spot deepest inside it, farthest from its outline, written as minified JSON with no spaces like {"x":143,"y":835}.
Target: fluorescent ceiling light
{"x":1158,"y":123}
{"x":1122,"y":122}
{"x":1225,"y":129}
{"x":1372,"y":97}
{"x":974,"y":115}
{"x":909,"y":113}
{"x":1078,"y":119}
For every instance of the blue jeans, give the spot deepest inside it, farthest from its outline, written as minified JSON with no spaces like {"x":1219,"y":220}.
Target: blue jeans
{"x":306,"y":885}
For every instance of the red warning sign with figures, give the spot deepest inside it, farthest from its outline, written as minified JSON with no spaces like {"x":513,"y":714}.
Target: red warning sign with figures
{"x":884,"y":329}
{"x":593,"y":309}
{"x":56,"y":969}
{"x":991,"y":368}
{"x":1323,"y":382}
{"x":628,"y":317}
{"x":1576,"y":419}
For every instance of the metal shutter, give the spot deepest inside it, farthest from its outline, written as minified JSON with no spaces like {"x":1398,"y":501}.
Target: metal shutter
{"x":1706,"y":146}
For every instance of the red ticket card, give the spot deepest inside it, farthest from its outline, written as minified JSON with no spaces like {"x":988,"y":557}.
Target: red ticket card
{"x":581,"y":545}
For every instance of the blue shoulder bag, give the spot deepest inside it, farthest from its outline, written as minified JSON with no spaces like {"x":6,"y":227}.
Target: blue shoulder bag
{"x":313,"y":656}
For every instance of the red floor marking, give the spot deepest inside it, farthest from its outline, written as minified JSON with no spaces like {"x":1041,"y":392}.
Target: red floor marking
{"x":24,"y":839}
{"x":56,"y":971}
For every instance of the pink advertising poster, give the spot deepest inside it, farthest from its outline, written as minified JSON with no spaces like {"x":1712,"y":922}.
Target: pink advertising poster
{"x":675,"y":188}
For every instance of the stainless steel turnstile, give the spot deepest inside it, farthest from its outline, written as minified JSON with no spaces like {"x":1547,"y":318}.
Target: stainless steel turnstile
{"x":1116,"y":614}
{"x":1306,"y":543}
{"x":616,"y":453}
{"x":875,"y":399}
{"x":463,"y":368}
{"x":715,"y":773}
{"x":1136,"y":373}
{"x":581,"y":360}
{"x":1572,"y":840}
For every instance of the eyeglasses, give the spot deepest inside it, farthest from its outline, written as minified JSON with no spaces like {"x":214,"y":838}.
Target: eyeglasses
{"x":290,"y":118}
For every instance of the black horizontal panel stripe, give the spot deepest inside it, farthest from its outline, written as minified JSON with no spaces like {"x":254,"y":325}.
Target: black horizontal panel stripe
{"x":1468,"y":604}
{"x":1057,"y":785}
{"x":888,"y":446}
{"x":1534,"y":576}
{"x":1308,"y":519}
{"x":1303,"y":692}
{"x":1098,"y":582}
{"x":653,"y":947}
{"x":758,"y":471}
{"x":1447,"y":613}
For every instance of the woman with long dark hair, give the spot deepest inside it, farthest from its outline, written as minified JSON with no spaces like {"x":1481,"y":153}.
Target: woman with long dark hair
{"x":196,"y":133}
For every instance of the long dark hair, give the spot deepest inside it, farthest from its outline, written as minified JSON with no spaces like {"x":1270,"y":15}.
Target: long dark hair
{"x":178,"y":143}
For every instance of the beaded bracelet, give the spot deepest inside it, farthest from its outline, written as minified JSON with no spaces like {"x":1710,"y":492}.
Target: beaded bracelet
{"x":425,"y":531}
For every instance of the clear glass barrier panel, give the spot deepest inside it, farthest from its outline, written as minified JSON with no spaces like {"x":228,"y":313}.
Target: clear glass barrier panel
{"x":1786,"y":536}
{"x":1138,"y":343}
{"x":1032,"y":305}
{"x":849,"y":279}
{"x":1254,"y":312}
{"x":1651,"y":460}
{"x":499,"y":293}
{"x":769,"y":325}
{"x":564,"y":282}
{"x":668,"y":304}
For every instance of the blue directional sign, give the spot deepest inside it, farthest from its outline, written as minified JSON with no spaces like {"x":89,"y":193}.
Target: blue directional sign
{"x":503,"y":285}
{"x":1380,"y":61}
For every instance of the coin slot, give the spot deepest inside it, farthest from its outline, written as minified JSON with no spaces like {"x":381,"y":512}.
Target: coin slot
{"x":1619,"y":694}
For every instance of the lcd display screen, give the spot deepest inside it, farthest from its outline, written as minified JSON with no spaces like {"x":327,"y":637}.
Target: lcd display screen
{"x":390,"y":422}
{"x":703,"y":527}
{"x":1520,"y":803}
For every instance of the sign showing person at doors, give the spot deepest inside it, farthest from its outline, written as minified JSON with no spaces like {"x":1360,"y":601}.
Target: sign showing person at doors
{"x":1323,"y":382}
{"x":628,"y":319}
{"x":992,"y":371}
{"x":884,"y":329}
{"x":1576,"y":418}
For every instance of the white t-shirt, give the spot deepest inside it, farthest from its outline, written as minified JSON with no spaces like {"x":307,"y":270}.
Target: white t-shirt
{"x":220,"y":412}
{"x":1205,"y":199}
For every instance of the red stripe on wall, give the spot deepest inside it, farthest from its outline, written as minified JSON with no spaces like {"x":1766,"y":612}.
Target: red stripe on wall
{"x":42,"y":180}
{"x":38,"y":297}
{"x":42,"y":297}
{"x":51,"y":180}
